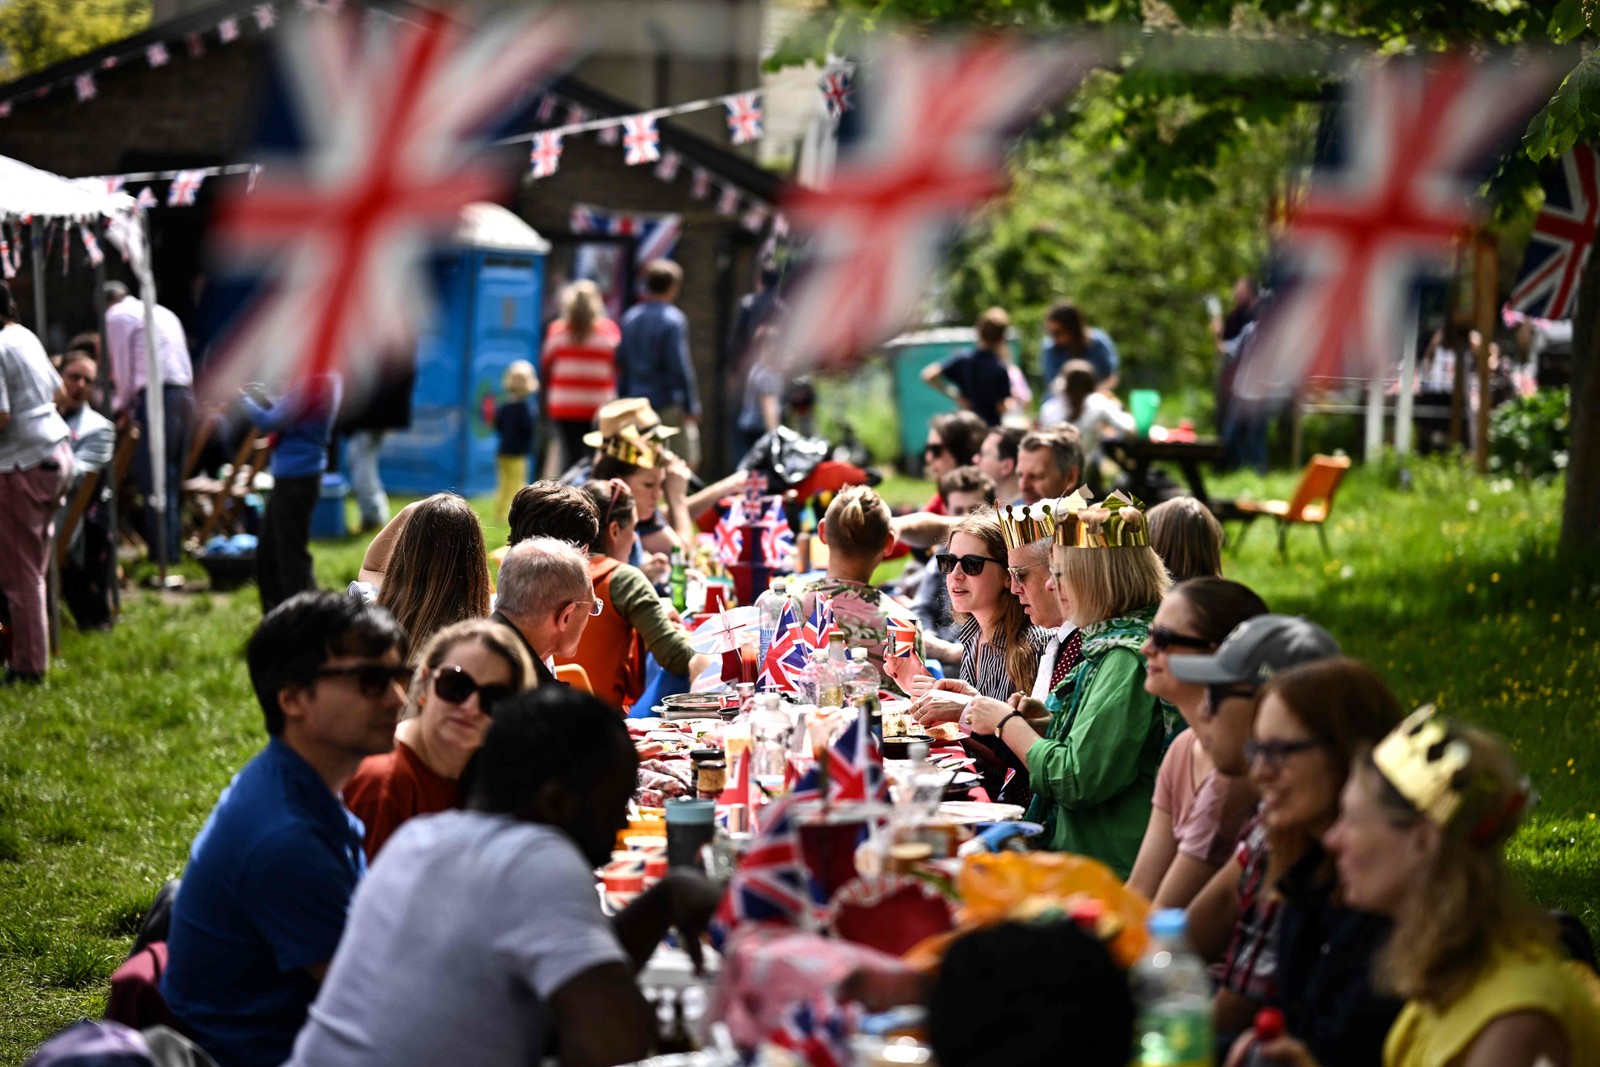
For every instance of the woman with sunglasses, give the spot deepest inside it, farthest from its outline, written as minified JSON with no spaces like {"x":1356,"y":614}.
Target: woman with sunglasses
{"x":1000,"y":647}
{"x":1295,"y":944}
{"x":460,"y":675}
{"x":1092,"y":760}
{"x":1197,"y":813}
{"x":632,"y":624}
{"x":1423,"y":824}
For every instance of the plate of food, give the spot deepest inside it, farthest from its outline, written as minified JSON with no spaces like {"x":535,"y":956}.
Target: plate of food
{"x":972,"y":812}
{"x":897,"y":722}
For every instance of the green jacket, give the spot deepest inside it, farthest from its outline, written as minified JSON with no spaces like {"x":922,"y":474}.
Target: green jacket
{"x":1094,"y":772}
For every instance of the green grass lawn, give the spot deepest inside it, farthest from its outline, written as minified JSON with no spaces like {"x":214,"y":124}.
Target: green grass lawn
{"x":1449,"y":589}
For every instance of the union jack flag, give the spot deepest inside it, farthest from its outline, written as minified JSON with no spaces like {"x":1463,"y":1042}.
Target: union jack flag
{"x":1415,"y":133}
{"x":771,"y":884}
{"x":755,"y":489}
{"x":838,"y":89}
{"x":902,"y":639}
{"x":820,"y":623}
{"x":744,"y":117}
{"x":1562,"y":237}
{"x":576,"y":116}
{"x":728,"y":201}
{"x":185,"y":187}
{"x":608,"y":134}
{"x":729,"y":533}
{"x":777,"y":538}
{"x":228,"y":31}
{"x":935,"y":151}
{"x":146,"y":198}
{"x":545,"y":156}
{"x":817,"y":1032}
{"x":156,"y":55}
{"x":266,"y":16}
{"x":115,"y":183}
{"x":84,"y":84}
{"x":641,"y":140}
{"x":789,"y":654}
{"x":658,"y":234}
{"x":5,"y":109}
{"x":91,"y":246}
{"x":394,"y":117}
{"x":7,"y":269}
{"x":667,"y":169}
{"x":855,"y":765}
{"x":547,"y":108}
{"x":755,"y":218}
{"x":197,"y":45}
{"x":700,"y":185}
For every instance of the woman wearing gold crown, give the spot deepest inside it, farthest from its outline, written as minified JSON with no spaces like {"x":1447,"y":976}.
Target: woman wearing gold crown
{"x":1093,"y":772}
{"x":1421,"y":837}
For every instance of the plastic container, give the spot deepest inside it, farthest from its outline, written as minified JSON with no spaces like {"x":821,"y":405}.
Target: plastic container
{"x":769,"y":608}
{"x":1174,"y":997}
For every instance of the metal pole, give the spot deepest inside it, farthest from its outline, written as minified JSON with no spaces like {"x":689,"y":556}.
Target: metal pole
{"x":38,"y":282}
{"x":1374,"y":443}
{"x":1486,"y":279}
{"x":155,"y":402}
{"x":1406,"y":401}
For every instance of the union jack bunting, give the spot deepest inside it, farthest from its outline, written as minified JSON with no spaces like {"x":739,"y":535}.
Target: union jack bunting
{"x":667,"y":169}
{"x":729,"y":534}
{"x":115,"y":183}
{"x":700,"y":186}
{"x":817,"y":1032}
{"x":85,"y":87}
{"x":576,"y":116}
{"x":185,"y":187}
{"x":547,"y":108}
{"x":228,"y":31}
{"x":545,"y":155}
{"x":266,"y":16}
{"x":902,"y":639}
{"x":608,"y":134}
{"x":1415,"y":134}
{"x":6,"y":268}
{"x":934,"y":152}
{"x":658,"y":234}
{"x":393,"y":120}
{"x":156,"y":55}
{"x":838,"y":89}
{"x":1562,"y":237}
{"x":755,"y":218}
{"x":641,"y":140}
{"x":744,"y":117}
{"x":5,"y":109}
{"x":197,"y":45}
{"x":789,"y":654}
{"x":728,"y":201}
{"x":91,"y":246}
{"x":146,"y":198}
{"x":755,"y":489}
{"x":820,"y":623}
{"x":109,"y":63}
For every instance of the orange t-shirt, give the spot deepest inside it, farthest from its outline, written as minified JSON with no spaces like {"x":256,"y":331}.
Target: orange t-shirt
{"x":391,"y":788}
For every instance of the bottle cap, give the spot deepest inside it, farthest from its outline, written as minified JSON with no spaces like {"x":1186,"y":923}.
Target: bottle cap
{"x":1168,"y":922}
{"x":1269,"y":1024}
{"x":858,"y":654}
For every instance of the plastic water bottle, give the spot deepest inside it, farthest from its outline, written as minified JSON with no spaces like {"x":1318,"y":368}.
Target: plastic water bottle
{"x":678,"y":581}
{"x":827,"y":679}
{"x":1269,"y":1027}
{"x":770,"y":729}
{"x":923,"y":787}
{"x":862,"y":680}
{"x":769,"y":609}
{"x":1174,"y":1028}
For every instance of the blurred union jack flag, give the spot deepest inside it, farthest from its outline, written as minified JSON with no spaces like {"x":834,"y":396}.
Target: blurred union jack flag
{"x":820,"y":623}
{"x":855,"y":765}
{"x":377,"y":146}
{"x":641,"y":140}
{"x":729,"y":533}
{"x":902,"y":638}
{"x":744,"y":117}
{"x":658,"y":234}
{"x":817,"y":1031}
{"x":789,"y":654}
{"x":1547,"y":286}
{"x":838,"y":88}
{"x":777,"y":537}
{"x":1415,"y":135}
{"x":545,"y":155}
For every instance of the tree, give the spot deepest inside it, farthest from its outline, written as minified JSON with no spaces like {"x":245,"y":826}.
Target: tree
{"x":37,"y":33}
{"x":1181,"y":120}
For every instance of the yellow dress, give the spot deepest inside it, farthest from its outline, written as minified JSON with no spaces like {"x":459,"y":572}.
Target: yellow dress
{"x":1532,"y":979}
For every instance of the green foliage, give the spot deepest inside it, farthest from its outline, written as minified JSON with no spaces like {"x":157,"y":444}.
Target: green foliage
{"x":38,"y":33}
{"x":1529,"y":437}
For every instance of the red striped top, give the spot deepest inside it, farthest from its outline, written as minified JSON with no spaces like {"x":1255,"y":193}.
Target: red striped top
{"x":578,"y":379}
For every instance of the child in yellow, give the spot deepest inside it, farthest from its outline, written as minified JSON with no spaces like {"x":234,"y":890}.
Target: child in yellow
{"x":514,"y":424}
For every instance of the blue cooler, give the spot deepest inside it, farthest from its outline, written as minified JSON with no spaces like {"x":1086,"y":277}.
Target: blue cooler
{"x":328,"y":518}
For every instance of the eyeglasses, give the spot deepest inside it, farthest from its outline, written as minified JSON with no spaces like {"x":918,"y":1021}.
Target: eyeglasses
{"x":595,"y":607}
{"x":1216,"y":694}
{"x":372,"y":679}
{"x":971,"y":564}
{"x":455,"y":685}
{"x":933,"y":451}
{"x":618,"y":487}
{"x":1017,"y":572}
{"x":1162,"y":639}
{"x":1273,"y":754}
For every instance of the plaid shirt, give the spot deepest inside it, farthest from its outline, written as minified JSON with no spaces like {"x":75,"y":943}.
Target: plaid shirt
{"x":1250,"y":966}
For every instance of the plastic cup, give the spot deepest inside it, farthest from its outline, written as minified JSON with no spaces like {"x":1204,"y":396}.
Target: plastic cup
{"x":690,"y":827}
{"x":1143,"y":405}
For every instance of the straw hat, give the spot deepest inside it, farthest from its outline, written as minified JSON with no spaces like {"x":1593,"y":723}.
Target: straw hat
{"x":630,"y":411}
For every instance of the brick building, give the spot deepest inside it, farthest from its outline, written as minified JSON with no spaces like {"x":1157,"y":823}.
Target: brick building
{"x":198,"y":110}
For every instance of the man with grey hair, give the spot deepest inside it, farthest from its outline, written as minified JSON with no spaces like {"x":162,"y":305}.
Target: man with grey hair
{"x":547,"y":597}
{"x":1049,"y":464}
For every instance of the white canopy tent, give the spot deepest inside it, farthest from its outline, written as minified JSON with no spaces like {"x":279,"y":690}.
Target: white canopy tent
{"x":28,"y":193}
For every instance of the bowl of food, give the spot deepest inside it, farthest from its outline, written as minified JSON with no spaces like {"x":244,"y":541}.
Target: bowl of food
{"x":900,"y":747}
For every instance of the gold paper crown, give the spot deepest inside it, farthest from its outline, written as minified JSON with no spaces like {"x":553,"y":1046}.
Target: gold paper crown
{"x":1425,"y":764}
{"x":1026,"y":524}
{"x":629,"y":446}
{"x":1118,"y":523}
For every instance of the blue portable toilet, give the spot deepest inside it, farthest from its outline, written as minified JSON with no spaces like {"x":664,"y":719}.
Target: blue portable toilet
{"x":489,"y":312}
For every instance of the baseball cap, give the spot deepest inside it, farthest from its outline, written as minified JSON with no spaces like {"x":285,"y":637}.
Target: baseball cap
{"x":1257,"y":649}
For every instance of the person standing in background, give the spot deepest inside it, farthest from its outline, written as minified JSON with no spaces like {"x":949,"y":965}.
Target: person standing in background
{"x":653,"y":356}
{"x":35,"y":466}
{"x":125,"y":349}
{"x":514,"y":427}
{"x":364,"y":421}
{"x":303,"y":421}
{"x":580,"y":367}
{"x":89,"y":570}
{"x":979,"y":380}
{"x":1071,"y":337}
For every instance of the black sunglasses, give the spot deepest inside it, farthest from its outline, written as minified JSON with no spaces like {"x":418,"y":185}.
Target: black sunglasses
{"x":1162,"y":639}
{"x":455,"y":685}
{"x":1273,"y":754}
{"x":933,"y":450}
{"x":373,"y":679}
{"x":1216,"y":694}
{"x":972,"y":564}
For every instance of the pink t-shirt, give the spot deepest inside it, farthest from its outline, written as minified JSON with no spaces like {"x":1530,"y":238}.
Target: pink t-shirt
{"x":1206,"y":819}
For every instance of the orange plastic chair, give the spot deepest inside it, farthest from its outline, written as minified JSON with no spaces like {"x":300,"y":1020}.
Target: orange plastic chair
{"x":1311,"y":505}
{"x":574,"y":675}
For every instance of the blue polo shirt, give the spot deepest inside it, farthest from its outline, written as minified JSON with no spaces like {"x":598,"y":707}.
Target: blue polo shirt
{"x":265,"y":895}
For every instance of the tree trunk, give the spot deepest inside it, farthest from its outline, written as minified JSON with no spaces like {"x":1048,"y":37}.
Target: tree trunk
{"x":1580,"y":512}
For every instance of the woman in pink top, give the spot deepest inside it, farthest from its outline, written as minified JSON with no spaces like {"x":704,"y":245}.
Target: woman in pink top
{"x":1197,"y":812}
{"x":579,"y":366}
